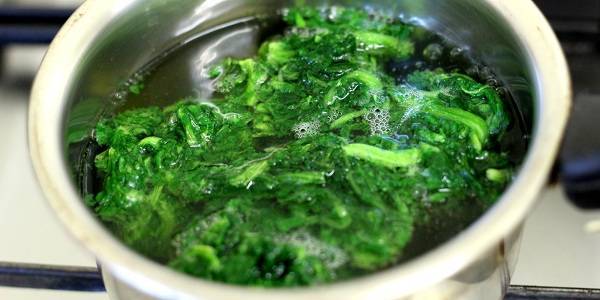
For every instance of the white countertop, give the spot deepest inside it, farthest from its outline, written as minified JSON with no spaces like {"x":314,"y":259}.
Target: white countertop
{"x":556,"y":250}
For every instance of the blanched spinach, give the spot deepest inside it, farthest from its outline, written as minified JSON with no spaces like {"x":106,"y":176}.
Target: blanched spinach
{"x":315,"y":165}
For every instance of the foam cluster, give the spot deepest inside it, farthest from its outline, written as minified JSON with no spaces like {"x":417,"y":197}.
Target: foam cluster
{"x":333,"y":115}
{"x":413,"y":99}
{"x":332,"y":256}
{"x":379,"y":121}
{"x":306,"y":129}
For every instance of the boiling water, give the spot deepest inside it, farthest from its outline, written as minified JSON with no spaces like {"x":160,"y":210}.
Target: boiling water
{"x":182,"y":73}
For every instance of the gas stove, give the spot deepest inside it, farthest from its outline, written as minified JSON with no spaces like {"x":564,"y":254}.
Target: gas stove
{"x":559,"y":256}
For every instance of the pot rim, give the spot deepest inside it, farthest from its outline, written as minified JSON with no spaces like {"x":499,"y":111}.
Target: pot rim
{"x":47,"y":108}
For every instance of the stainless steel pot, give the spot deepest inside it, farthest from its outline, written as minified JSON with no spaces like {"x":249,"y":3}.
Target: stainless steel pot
{"x":106,"y":40}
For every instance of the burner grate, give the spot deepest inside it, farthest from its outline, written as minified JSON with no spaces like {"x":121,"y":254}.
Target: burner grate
{"x":550,"y":293}
{"x":51,"y":277}
{"x":90,"y":280}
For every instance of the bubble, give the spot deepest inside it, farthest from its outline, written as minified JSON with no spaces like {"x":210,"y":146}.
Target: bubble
{"x":501,"y":91}
{"x":208,"y":190}
{"x":370,"y":117}
{"x":483,"y":156}
{"x":306,"y":129}
{"x":493,"y":82}
{"x":120,"y":95}
{"x":456,"y":52}
{"x":420,"y":192}
{"x":333,"y":13}
{"x":433,"y":52}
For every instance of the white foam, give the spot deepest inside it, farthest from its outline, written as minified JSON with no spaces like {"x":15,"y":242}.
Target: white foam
{"x":332,"y":256}
{"x":333,"y":115}
{"x":414,"y":100}
{"x":307,"y":129}
{"x":379,"y":121}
